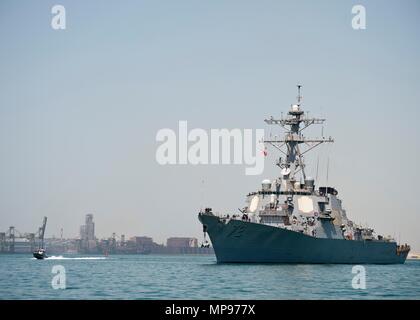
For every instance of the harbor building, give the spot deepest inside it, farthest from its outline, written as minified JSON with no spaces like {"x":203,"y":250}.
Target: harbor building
{"x":87,"y":235}
{"x":181,"y":242}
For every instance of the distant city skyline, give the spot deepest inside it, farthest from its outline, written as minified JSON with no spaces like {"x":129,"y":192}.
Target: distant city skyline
{"x":86,"y":232}
{"x":80,"y":108}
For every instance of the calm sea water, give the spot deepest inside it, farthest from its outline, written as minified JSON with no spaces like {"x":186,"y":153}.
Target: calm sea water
{"x":198,"y":277}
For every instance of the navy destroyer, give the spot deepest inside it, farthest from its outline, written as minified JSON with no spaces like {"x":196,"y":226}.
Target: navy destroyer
{"x":289,"y":220}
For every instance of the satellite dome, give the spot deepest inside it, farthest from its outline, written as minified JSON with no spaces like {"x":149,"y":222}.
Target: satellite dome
{"x":266,"y":185}
{"x":295,"y":108}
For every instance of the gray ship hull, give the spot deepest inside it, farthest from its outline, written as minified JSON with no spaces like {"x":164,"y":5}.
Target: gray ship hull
{"x":246,"y":242}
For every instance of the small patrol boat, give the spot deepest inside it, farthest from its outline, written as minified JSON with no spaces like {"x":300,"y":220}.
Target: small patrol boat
{"x":40,"y":253}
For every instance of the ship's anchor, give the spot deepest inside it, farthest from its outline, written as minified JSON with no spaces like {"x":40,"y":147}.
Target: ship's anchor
{"x":205,"y":243}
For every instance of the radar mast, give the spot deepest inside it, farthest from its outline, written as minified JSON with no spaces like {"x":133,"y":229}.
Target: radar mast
{"x":294,"y":123}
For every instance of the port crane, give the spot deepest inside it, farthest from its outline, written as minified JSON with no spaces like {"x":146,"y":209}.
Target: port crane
{"x":41,"y":233}
{"x":8,"y":238}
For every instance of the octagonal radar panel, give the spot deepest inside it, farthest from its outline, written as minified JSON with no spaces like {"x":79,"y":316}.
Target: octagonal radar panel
{"x":254,"y":204}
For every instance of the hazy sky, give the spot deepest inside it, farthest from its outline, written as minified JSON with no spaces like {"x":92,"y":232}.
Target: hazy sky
{"x":80,"y":108}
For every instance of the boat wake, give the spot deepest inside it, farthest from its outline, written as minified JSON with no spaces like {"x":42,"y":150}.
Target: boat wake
{"x":73,"y":258}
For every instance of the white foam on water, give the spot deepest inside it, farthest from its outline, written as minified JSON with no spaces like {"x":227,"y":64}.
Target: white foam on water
{"x":73,"y":258}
